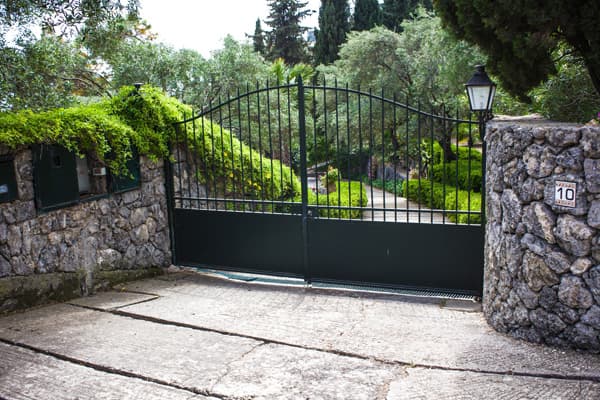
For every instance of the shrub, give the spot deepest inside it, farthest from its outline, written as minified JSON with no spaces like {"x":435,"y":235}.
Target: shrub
{"x":331,"y":176}
{"x":458,"y":174}
{"x":233,"y":168}
{"x":445,"y":198}
{"x":340,"y":198}
{"x":463,"y":153}
{"x":389,"y":185}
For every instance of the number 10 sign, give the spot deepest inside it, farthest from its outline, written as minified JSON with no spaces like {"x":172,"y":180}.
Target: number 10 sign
{"x":564,"y":193}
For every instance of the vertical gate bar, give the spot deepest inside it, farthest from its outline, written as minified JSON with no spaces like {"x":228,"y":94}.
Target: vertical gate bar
{"x":326,"y":145}
{"x":289,"y":113}
{"x":360,"y":148}
{"x":212,"y":141}
{"x":383,"y":149}
{"x":260,"y":151}
{"x":482,"y":128}
{"x":371,"y":151}
{"x":205,"y":172}
{"x":456,"y":181}
{"x":170,"y":191}
{"x":222,"y":146}
{"x":395,"y":158}
{"x":185,"y":193}
{"x":317,"y":180}
{"x":235,"y":194}
{"x":444,"y":177}
{"x":420,"y":192}
{"x":337,"y":154}
{"x":270,"y":144}
{"x":469,"y":188}
{"x":239,"y":120}
{"x":195,"y":160}
{"x":431,"y":149}
{"x":189,"y":164}
{"x":252,"y":205}
{"x":179,"y":161}
{"x":348,"y":143}
{"x":470,"y":165}
{"x":280,"y":140}
{"x":303,"y":177}
{"x":407,"y":160}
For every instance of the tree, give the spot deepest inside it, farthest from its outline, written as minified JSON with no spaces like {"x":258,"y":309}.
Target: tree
{"x":258,"y":39}
{"x":367,"y":14}
{"x":569,"y":94}
{"x":47,"y":69}
{"x":396,"y":11}
{"x":423,"y":63}
{"x":333,"y":26}
{"x":519,"y":37}
{"x":285,"y":40}
{"x":44,"y":74}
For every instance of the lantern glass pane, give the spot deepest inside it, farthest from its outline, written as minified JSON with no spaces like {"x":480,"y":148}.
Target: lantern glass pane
{"x":479,"y":97}
{"x":492,"y":94}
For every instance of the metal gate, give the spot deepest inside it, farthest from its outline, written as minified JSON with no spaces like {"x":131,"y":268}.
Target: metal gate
{"x":329,"y":184}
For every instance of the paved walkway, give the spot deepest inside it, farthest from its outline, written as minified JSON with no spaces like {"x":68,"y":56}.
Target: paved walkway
{"x":396,"y":209}
{"x":192,"y":336}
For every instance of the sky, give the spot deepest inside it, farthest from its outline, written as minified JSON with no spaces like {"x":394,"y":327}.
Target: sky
{"x":203,"y":24}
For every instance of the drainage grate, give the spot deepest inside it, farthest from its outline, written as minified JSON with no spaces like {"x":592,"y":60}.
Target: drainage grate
{"x":404,"y":292}
{"x":278,"y":280}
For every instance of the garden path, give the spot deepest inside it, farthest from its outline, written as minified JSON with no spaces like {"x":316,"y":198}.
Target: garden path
{"x":396,"y":209}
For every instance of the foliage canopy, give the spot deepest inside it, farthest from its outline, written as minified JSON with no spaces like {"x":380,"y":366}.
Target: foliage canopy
{"x":519,"y":37}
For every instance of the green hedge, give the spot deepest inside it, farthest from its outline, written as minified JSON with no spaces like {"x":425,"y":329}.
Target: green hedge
{"x":460,"y":177}
{"x":463,"y":153}
{"x":225,"y":160}
{"x":445,"y":198}
{"x":354,"y":200}
{"x":390,"y":186}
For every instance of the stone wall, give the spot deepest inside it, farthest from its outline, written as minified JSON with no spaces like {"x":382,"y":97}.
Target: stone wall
{"x":542,"y":260}
{"x":78,"y":249}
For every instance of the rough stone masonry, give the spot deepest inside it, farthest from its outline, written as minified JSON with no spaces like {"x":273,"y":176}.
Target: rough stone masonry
{"x":542,"y":255}
{"x":78,"y":249}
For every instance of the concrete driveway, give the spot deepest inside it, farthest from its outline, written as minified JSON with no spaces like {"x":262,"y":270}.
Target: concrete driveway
{"x":194,"y":336}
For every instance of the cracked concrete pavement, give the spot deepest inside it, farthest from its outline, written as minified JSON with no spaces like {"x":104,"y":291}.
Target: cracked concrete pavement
{"x":194,"y":336}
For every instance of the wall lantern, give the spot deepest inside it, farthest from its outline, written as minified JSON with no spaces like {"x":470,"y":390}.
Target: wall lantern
{"x":481,"y":91}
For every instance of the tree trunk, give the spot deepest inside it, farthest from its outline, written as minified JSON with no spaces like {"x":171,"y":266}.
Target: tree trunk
{"x":446,"y":143}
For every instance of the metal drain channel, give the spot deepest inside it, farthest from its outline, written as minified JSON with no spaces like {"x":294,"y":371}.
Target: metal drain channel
{"x":267,"y":279}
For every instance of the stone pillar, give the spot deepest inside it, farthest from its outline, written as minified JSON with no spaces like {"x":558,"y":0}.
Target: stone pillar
{"x":542,"y":255}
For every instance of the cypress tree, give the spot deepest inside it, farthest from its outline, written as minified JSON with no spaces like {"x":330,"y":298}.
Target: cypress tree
{"x":396,"y":11}
{"x":258,"y":39}
{"x":367,"y":14}
{"x":334,"y":24}
{"x":285,"y":40}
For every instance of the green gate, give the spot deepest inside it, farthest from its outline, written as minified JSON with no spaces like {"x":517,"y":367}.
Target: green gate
{"x":329,"y":184}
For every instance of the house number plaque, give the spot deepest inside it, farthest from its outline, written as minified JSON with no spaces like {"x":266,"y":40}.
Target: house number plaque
{"x":565,"y":193}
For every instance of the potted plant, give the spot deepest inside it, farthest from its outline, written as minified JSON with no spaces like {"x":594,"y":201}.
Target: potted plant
{"x":330,"y":179}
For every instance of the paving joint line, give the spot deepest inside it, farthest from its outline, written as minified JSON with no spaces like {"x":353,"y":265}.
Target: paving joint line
{"x":114,"y":308}
{"x":112,"y":370}
{"x":595,"y":379}
{"x":136,"y":303}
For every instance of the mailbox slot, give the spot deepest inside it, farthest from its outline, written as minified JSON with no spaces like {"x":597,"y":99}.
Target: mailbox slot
{"x":8,"y":181}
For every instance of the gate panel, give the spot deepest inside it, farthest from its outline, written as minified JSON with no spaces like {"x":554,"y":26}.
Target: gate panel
{"x":263,"y":243}
{"x":409,"y":256}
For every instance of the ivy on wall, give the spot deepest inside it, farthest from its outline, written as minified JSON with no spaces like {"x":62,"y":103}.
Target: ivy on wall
{"x":110,"y":128}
